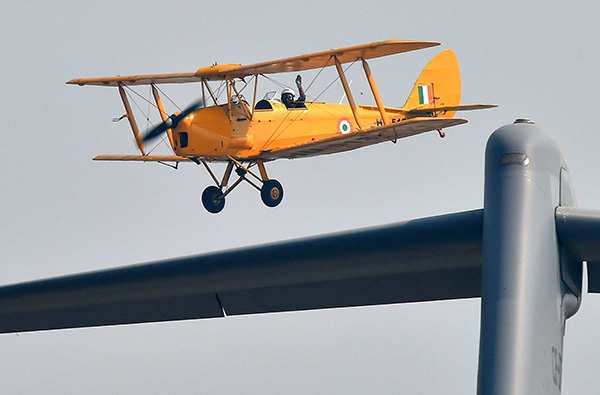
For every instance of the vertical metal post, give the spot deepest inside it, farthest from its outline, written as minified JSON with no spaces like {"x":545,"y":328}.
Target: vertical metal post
{"x":375,"y":91}
{"x":523,"y":303}
{"x":163,"y":114}
{"x":227,"y":174}
{"x":340,"y":71}
{"x":254,"y":98}
{"x":228,"y":86}
{"x":131,"y":119}
{"x":243,"y":106}
{"x":262,"y":170}
{"x":212,"y":96}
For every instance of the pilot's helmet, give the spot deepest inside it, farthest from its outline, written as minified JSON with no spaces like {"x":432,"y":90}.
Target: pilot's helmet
{"x":287,"y":95}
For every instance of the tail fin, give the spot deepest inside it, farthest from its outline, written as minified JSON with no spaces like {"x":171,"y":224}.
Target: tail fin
{"x":437,"y":86}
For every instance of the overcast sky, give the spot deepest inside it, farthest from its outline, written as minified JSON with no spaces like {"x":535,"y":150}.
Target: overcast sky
{"x":63,"y":213}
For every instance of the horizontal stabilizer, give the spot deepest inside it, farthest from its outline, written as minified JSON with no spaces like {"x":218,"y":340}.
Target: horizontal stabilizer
{"x":426,"y":259}
{"x":142,"y":158}
{"x":579,"y":231}
{"x":435,"y":109}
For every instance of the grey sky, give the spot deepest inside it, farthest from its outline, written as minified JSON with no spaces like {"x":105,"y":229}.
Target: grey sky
{"x":63,"y":213}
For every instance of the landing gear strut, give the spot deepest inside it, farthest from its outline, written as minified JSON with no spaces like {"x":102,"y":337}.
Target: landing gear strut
{"x":213,"y":197}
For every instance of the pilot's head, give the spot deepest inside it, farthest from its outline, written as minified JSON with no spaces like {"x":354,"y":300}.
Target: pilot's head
{"x":287,"y":96}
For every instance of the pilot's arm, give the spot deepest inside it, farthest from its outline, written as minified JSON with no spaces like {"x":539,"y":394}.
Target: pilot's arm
{"x":302,"y":96}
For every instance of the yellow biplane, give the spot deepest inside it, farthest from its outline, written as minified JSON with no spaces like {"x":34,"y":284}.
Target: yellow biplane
{"x":244,"y":135}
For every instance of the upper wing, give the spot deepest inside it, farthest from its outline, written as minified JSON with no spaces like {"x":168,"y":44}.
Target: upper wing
{"x":347,"y":142}
{"x":419,"y":260}
{"x":325,"y":58}
{"x":296,"y":63}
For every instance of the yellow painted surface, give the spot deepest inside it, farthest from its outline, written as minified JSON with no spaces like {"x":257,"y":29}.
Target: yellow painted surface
{"x":235,"y":130}
{"x":211,"y":132}
{"x":443,"y":72}
{"x":163,"y":114}
{"x":131,"y":119}
{"x":309,"y":61}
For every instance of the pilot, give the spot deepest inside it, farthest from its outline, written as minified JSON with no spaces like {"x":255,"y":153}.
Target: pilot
{"x":287,"y":96}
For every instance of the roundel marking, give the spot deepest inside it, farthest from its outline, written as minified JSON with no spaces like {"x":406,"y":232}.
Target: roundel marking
{"x":344,"y":126}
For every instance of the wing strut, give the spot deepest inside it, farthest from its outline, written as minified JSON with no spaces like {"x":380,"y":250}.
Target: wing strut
{"x":163,"y":114}
{"x":242,"y":105}
{"x":134,"y":128}
{"x":254,"y":97}
{"x":205,"y":84}
{"x":340,"y":71}
{"x":375,"y":91}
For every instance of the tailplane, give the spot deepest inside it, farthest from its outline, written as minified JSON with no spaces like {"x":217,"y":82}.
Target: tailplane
{"x":437,"y":91}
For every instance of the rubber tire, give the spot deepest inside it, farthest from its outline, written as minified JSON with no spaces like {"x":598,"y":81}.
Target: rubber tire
{"x":271,"y":193}
{"x":210,"y":201}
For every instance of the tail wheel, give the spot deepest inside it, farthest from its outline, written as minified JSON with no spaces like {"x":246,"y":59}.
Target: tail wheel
{"x":271,"y":193}
{"x":212,"y":200}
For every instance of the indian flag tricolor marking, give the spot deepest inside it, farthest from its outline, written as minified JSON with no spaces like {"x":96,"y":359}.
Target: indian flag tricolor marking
{"x":425,"y":94}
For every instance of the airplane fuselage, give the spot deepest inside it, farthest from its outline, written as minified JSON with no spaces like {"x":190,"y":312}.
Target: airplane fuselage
{"x":218,"y":131}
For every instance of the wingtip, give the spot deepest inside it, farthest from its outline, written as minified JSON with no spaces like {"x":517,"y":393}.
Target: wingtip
{"x":427,"y":44}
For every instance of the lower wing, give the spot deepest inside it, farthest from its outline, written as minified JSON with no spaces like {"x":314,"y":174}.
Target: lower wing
{"x":142,"y":158}
{"x":347,"y":142}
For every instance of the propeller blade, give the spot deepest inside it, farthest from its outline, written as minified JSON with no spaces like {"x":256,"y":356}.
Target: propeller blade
{"x":171,"y":122}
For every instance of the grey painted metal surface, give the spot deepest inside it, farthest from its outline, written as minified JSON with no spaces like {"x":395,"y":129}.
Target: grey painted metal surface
{"x":522,"y":253}
{"x":523,"y":296}
{"x":426,"y":259}
{"x":579,"y":232}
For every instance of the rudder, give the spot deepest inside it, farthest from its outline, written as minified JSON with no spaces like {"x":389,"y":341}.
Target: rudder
{"x":438,"y":85}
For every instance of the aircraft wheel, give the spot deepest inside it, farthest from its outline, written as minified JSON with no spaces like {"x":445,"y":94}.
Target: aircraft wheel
{"x":271,"y":193}
{"x":211,"y":201}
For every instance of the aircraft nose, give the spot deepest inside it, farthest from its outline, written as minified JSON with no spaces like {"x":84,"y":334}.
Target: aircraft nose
{"x":185,"y":122}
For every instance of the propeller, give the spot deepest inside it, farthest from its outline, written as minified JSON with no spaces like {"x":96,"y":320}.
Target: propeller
{"x":171,"y":122}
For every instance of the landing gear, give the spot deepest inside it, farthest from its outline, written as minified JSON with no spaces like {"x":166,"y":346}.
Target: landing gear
{"x":271,"y":193}
{"x":441,"y":133}
{"x":213,"y":197}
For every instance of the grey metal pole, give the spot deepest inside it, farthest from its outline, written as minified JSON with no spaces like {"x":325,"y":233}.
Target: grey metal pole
{"x":523,"y":307}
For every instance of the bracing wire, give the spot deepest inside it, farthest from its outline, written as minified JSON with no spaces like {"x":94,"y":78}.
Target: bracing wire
{"x":148,"y":107}
{"x":333,"y":82}
{"x":220,"y":90}
{"x":273,"y":80}
{"x":273,"y":136}
{"x":146,"y":115}
{"x":317,"y":75}
{"x":162,"y":140}
{"x":167,"y":96}
{"x":139,"y":95}
{"x":246,"y":84}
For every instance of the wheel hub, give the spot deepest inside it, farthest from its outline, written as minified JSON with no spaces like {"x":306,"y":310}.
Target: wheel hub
{"x":274,"y":193}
